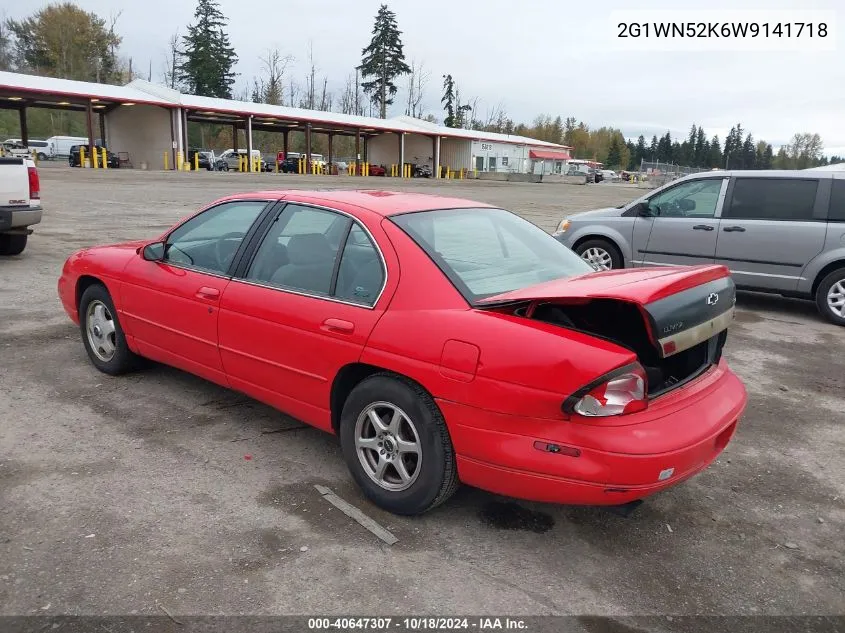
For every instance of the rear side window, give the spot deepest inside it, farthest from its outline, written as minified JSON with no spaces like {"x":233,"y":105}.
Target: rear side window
{"x":772,"y":199}
{"x":837,"y":202}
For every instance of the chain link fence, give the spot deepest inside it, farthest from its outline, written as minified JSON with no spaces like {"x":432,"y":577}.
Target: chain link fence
{"x":657,"y":174}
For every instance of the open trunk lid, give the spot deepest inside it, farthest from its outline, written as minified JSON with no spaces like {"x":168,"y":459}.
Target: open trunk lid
{"x":674,"y":318}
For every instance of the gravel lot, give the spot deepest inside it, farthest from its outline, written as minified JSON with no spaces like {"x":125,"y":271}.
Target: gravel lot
{"x":123,"y":494}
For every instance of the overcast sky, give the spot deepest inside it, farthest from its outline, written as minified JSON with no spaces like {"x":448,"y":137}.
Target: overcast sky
{"x":531,"y":56}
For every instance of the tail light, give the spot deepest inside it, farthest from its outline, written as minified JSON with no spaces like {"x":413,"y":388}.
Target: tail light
{"x":617,"y":393}
{"x":34,"y":184}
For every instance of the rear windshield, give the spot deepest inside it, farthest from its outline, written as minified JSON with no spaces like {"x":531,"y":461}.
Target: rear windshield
{"x":486,"y":252}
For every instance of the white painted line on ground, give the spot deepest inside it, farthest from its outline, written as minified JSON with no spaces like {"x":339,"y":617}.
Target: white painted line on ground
{"x":354,"y":513}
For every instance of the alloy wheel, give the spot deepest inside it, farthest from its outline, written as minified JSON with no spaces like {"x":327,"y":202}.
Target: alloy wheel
{"x":388,"y":446}
{"x":836,"y":298}
{"x":598,"y":258}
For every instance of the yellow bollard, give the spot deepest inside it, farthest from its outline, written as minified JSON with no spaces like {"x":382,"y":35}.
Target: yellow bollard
{"x":95,"y":157}
{"x":277,"y":166}
{"x":34,"y":157}
{"x":367,"y":169}
{"x":105,"y":163}
{"x":82,"y":157}
{"x":196,"y":161}
{"x":179,"y":160}
{"x":166,"y":161}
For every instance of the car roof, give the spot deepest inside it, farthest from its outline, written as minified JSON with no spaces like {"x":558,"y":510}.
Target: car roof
{"x":383,"y":203}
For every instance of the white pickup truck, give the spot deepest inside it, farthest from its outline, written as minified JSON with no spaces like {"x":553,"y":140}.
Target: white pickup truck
{"x":20,"y":203}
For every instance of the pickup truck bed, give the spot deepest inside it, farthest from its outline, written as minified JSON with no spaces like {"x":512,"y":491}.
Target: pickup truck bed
{"x":20,"y":203}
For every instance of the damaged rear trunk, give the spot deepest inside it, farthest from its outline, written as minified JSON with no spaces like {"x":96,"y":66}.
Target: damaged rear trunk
{"x":676,"y":336}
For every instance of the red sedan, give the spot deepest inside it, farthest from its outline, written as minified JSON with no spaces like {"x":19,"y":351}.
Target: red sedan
{"x":443,"y":340}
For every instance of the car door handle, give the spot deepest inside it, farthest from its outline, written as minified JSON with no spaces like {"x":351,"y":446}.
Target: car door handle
{"x":338,"y":326}
{"x":702,"y":227}
{"x":731,"y":229}
{"x":207,"y":292}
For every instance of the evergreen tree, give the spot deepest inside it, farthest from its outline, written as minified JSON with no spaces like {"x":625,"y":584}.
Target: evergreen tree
{"x":688,"y":148}
{"x":569,"y":127}
{"x":614,"y":154}
{"x":652,"y":150}
{"x":664,"y":148}
{"x":640,"y":153}
{"x":208,"y":62}
{"x":383,"y":61}
{"x":632,"y":155}
{"x":448,"y":100}
{"x":715,"y":155}
{"x":700,"y":153}
{"x":748,"y":156}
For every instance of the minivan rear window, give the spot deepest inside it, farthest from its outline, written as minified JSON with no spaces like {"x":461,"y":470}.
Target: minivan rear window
{"x":837,"y":202}
{"x":772,"y":199}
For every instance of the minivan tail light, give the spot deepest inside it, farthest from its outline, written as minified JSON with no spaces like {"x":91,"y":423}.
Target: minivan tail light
{"x":34,"y":184}
{"x":617,"y":393}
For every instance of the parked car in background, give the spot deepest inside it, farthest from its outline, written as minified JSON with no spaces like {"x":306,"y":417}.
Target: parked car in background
{"x":608,"y":175}
{"x":422,"y":171}
{"x":268,"y":162}
{"x":40,"y":147}
{"x":59,"y":146}
{"x":777,"y":231}
{"x":206,"y":159}
{"x":544,"y":380}
{"x":14,"y":149}
{"x":229,"y":160}
{"x":74,"y":156}
{"x":20,"y":202}
{"x":580,"y":169}
{"x":598,"y":175}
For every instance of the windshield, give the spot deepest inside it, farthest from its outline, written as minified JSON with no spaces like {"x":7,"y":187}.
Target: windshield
{"x":485,"y":252}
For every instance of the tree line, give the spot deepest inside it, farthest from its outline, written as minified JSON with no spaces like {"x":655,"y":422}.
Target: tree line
{"x":55,"y":41}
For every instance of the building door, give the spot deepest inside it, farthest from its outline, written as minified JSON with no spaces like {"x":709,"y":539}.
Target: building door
{"x":479,"y":163}
{"x":491,"y":161}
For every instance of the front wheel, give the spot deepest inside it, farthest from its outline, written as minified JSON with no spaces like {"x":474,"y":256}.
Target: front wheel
{"x":396,"y":445}
{"x":101,"y":333}
{"x":600,"y":254}
{"x":830,"y":296}
{"x":41,"y":156}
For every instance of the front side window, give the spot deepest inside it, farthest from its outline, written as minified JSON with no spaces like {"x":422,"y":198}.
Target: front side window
{"x":696,"y":199}
{"x":772,"y":199}
{"x":485,"y":252}
{"x":210,"y":240}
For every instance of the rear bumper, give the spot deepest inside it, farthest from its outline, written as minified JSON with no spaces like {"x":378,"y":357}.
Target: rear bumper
{"x":19,"y":217}
{"x":672,"y":440}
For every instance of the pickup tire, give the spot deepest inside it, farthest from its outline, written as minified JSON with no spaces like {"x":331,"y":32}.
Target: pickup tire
{"x":830,"y":296}
{"x":12,"y":244}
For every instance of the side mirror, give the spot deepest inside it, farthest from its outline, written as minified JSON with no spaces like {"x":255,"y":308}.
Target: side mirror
{"x":645,"y":211}
{"x":153,"y":252}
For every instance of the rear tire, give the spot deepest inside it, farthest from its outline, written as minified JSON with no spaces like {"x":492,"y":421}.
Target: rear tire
{"x":830,"y":296}
{"x":102,"y":334}
{"x":12,"y":243}
{"x":600,"y":252}
{"x":41,"y":156}
{"x":405,"y":464}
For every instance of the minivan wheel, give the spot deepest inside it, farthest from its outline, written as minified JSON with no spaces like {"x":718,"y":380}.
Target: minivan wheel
{"x":830,"y":296}
{"x":101,"y":333}
{"x":41,"y":156}
{"x":396,"y":445}
{"x":600,"y":254}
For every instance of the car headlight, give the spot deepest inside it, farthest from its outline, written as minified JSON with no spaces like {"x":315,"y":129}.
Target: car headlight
{"x":562,"y":227}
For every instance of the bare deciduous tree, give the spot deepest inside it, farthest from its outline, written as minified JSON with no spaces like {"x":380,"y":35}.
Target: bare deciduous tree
{"x":417,"y":81}
{"x":171,"y":65}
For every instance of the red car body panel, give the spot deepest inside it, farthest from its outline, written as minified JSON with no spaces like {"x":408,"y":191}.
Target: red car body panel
{"x":498,"y":379}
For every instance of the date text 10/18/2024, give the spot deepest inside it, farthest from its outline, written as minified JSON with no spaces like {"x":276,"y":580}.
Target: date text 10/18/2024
{"x":417,"y":624}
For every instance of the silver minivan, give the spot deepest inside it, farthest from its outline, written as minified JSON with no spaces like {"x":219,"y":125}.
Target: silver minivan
{"x":777,"y":231}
